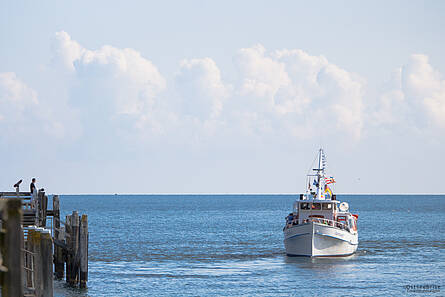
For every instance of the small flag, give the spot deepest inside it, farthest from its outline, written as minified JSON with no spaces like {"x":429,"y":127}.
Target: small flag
{"x":329,"y":180}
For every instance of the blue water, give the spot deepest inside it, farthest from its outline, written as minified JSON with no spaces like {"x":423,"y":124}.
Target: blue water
{"x":231,"y":245}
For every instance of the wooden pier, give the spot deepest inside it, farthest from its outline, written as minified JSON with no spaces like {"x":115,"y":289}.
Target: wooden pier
{"x":36,"y":245}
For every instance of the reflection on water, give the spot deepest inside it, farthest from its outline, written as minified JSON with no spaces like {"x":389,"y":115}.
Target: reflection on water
{"x":323,"y":267}
{"x":62,"y":289}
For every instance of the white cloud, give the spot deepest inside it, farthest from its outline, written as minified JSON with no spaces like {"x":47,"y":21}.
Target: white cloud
{"x":201,"y":88}
{"x":416,"y":97}
{"x":65,"y":50}
{"x":134,"y":80}
{"x":425,"y":86}
{"x":260,"y":75}
{"x":17,"y":104}
{"x":110,"y":83}
{"x":21,"y":113}
{"x":286,"y":92}
{"x":301,"y":92}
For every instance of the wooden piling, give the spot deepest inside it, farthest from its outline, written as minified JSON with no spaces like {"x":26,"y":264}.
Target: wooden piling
{"x":34,"y":238}
{"x":83,"y":250}
{"x":26,"y":262}
{"x":46,"y":255}
{"x":75,"y":248}
{"x":58,"y":251}
{"x":68,"y":255}
{"x":12,"y":256}
{"x":42,"y":210}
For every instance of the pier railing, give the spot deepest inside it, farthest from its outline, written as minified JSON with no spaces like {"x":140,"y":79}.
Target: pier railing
{"x":33,"y":238}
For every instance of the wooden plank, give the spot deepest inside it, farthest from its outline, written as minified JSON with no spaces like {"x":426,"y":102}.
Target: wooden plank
{"x":15,"y":193}
{"x":83,"y":250}
{"x":12,"y":253}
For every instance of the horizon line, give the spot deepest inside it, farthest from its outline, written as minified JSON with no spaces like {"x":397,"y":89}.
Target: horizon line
{"x":240,"y":194}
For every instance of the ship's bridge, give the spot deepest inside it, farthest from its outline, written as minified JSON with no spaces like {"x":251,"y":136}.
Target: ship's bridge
{"x":315,"y":208}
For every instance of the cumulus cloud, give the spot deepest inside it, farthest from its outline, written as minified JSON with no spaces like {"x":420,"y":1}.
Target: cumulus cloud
{"x":291,"y":84}
{"x":260,"y":75}
{"x":110,"y":83}
{"x":201,"y":88}
{"x":21,"y":113}
{"x":416,"y":96}
{"x":424,"y":85}
{"x":17,"y":102}
{"x":287,"y":91}
{"x":65,"y":50}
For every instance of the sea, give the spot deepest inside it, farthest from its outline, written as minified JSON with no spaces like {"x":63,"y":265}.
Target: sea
{"x":232,"y":245}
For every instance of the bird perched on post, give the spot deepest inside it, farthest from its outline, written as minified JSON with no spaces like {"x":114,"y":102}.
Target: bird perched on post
{"x":18,"y":184}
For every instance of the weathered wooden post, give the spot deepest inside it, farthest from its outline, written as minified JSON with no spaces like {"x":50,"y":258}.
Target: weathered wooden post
{"x":46,"y":255}
{"x":69,"y":256}
{"x":34,"y":239}
{"x":58,"y":251}
{"x":75,"y":248}
{"x":83,"y":250}
{"x":12,"y":254}
{"x":43,"y":205}
{"x":38,"y":207}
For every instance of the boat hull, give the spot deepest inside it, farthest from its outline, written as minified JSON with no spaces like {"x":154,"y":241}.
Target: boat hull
{"x":314,"y":239}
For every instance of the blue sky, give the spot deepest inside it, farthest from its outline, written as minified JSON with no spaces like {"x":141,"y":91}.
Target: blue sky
{"x":222,"y":97}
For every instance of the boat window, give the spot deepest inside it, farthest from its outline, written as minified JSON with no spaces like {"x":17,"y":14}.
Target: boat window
{"x":327,"y":206}
{"x":304,"y":205}
{"x":341,"y":219}
{"x":316,"y":206}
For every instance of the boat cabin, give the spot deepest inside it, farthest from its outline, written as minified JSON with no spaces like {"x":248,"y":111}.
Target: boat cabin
{"x":323,"y":209}
{"x":329,"y":212}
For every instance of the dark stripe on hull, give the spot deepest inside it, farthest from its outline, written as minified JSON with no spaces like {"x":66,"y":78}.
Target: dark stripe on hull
{"x":296,"y":235}
{"x":323,"y":256}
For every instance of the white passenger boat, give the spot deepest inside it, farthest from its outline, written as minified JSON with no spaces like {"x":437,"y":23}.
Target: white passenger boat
{"x":319,"y":224}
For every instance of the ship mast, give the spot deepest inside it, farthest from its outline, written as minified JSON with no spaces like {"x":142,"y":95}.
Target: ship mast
{"x":320,"y":169}
{"x":320,"y":174}
{"x":319,"y":178}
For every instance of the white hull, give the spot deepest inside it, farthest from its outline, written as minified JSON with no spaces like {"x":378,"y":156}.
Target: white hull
{"x":314,"y":239}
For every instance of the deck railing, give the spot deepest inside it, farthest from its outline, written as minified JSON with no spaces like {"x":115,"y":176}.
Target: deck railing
{"x":332,"y":223}
{"x":323,"y":221}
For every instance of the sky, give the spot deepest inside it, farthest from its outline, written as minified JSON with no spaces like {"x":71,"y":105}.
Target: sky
{"x":222,"y":96}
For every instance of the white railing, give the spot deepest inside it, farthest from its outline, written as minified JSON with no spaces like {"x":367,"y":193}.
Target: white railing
{"x":323,"y":221}
{"x":329,"y":223}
